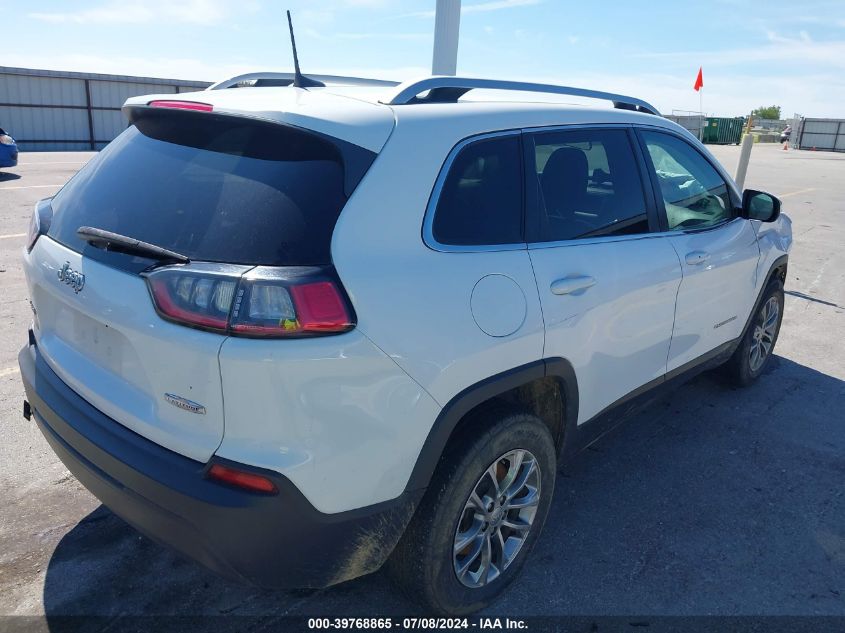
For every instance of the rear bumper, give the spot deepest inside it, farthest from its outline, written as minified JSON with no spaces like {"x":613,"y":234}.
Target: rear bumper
{"x":276,"y":540}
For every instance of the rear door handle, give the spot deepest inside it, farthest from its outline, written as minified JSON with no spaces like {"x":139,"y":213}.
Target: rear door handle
{"x":572,"y":284}
{"x":697,"y":257}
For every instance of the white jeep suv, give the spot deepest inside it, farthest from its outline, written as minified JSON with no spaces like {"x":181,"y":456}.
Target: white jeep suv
{"x":296,"y":333}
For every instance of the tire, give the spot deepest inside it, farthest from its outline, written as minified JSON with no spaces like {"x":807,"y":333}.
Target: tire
{"x":756,"y":349}
{"x":424,"y":563}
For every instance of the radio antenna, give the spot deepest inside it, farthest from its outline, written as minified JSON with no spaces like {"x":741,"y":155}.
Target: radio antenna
{"x":299,"y":80}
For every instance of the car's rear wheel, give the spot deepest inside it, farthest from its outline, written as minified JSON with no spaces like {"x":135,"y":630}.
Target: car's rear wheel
{"x":755,"y":351}
{"x":482,"y":513}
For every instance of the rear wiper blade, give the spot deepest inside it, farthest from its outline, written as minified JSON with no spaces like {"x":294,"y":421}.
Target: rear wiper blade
{"x":109,"y":241}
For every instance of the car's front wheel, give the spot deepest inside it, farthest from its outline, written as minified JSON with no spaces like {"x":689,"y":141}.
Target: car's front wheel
{"x":755,"y":351}
{"x":482,"y":513}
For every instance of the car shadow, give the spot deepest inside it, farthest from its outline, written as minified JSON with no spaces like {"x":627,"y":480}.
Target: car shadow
{"x":715,"y":500}
{"x":8,"y":176}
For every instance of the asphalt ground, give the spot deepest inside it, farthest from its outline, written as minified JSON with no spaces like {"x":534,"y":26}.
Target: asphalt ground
{"x":716,"y":501}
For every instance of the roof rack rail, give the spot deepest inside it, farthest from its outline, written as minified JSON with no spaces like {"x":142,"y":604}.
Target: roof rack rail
{"x":450,"y":89}
{"x":267,"y":79}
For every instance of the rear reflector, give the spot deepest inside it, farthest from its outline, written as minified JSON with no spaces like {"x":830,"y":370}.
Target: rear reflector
{"x":241,"y":479}
{"x":182,"y":105}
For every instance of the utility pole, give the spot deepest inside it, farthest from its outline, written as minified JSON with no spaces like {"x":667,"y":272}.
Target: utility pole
{"x":447,"y":26}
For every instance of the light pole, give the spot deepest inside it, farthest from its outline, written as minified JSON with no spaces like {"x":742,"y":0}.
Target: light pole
{"x":447,"y":26}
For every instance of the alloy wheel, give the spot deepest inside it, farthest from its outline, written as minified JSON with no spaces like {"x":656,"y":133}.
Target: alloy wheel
{"x":763,"y":337}
{"x":497,"y":518}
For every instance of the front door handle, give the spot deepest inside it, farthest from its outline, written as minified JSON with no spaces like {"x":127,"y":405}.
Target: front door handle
{"x":572,"y":284}
{"x":697,"y":257}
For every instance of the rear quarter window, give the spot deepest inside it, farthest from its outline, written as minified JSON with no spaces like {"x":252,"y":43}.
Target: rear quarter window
{"x":480,"y":202}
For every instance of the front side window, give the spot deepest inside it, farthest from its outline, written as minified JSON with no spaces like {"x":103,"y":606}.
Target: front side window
{"x":694,"y":194}
{"x":480,"y":202}
{"x":588,"y":185}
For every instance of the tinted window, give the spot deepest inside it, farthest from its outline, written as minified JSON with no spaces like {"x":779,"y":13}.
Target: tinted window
{"x":588,"y":184}
{"x":214,"y":188}
{"x":481,"y":198}
{"x":694,"y":194}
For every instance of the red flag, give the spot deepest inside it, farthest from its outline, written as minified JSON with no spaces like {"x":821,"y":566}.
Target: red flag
{"x":699,"y":81}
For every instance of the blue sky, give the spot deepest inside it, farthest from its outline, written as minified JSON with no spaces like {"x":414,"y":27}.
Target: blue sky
{"x":753,"y":52}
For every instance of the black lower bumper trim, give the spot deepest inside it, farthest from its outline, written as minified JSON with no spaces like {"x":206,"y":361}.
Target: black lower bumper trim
{"x":268,"y":540}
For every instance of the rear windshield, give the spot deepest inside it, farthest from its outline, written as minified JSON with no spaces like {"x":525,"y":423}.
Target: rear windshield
{"x":214,"y":188}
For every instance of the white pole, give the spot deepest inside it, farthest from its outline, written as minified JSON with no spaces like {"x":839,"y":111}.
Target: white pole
{"x":744,"y":157}
{"x":701,"y":114}
{"x":447,"y":26}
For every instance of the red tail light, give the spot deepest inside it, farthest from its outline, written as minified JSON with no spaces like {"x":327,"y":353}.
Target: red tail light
{"x":34,"y":231}
{"x":181,"y":105}
{"x":241,"y":479}
{"x":275,"y":303}
{"x":320,"y":307}
{"x":185,"y":298}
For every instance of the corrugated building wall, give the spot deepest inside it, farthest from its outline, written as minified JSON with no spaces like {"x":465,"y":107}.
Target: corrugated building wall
{"x":47,"y":110}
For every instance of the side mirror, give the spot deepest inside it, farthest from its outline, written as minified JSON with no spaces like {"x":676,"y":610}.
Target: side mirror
{"x":758,"y":205}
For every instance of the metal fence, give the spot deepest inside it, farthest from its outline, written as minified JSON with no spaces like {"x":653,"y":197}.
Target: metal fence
{"x":709,"y":129}
{"x":48,"y":110}
{"x":775,"y":126}
{"x":822,"y":134}
{"x":692,"y":121}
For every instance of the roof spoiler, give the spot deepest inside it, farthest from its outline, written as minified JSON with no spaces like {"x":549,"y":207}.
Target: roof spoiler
{"x":269,"y":79}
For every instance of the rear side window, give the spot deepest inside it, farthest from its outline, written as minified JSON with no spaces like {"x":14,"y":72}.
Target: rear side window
{"x":588,"y":184}
{"x":214,"y":188}
{"x":480,"y":202}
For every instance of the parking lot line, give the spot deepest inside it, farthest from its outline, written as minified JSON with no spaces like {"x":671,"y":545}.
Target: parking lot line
{"x":795,"y":193}
{"x":9,"y":371}
{"x":30,"y":187}
{"x":10,"y":235}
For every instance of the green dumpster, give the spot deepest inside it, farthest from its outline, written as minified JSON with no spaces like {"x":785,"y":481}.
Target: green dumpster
{"x":723,"y":130}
